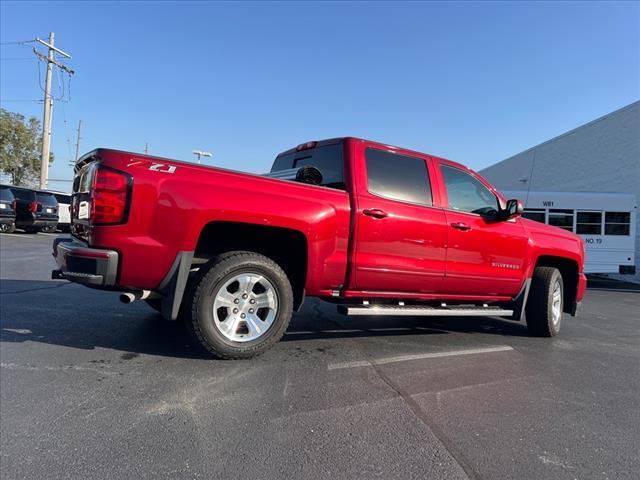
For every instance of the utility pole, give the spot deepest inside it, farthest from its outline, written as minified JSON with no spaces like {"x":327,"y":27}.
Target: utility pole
{"x":146,"y":148}
{"x":78,"y":139}
{"x":48,"y":103}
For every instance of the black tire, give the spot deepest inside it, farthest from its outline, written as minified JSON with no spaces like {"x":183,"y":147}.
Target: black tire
{"x":48,"y":229}
{"x":541,"y":321}
{"x":210,"y":280}
{"x":30,"y":230}
{"x":7,"y":227}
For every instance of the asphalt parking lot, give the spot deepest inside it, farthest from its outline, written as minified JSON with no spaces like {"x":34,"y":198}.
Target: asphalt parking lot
{"x":92,"y":388}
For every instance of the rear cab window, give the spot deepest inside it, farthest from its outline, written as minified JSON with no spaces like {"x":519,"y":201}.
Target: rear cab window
{"x":325,"y":156}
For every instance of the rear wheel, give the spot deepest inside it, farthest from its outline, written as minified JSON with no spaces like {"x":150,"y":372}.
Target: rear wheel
{"x":48,"y":228}
{"x":30,"y":229}
{"x":7,"y":227}
{"x":544,"y":305}
{"x":241,"y":305}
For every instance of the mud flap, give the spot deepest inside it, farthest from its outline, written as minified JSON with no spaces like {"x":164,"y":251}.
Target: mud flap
{"x":173,"y":286}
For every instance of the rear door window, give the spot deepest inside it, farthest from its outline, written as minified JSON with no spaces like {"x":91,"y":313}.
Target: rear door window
{"x":398,"y":177}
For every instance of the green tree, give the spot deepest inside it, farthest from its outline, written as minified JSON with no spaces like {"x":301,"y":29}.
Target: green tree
{"x":20,"y":141}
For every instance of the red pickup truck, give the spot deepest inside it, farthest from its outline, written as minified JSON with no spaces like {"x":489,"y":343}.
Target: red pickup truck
{"x":376,"y":229}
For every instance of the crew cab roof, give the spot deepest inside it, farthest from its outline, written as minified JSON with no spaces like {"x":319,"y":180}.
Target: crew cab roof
{"x":332,"y":141}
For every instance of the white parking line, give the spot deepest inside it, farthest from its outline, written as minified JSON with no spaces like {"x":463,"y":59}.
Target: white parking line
{"x":419,"y":356}
{"x":18,"y":235}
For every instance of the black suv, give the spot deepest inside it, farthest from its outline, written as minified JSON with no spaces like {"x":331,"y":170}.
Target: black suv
{"x":36,"y":211}
{"x":7,"y":210}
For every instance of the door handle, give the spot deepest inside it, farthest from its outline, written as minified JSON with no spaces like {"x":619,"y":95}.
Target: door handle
{"x":375,"y":213}
{"x":461,"y":226}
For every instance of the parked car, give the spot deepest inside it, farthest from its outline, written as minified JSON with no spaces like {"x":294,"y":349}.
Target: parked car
{"x":36,"y":211}
{"x":7,"y":210}
{"x":377,"y":229}
{"x":64,"y":213}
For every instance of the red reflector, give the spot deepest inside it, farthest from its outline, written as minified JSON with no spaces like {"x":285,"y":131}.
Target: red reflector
{"x":306,"y":146}
{"x":109,"y":196}
{"x":13,"y":205}
{"x":33,"y":206}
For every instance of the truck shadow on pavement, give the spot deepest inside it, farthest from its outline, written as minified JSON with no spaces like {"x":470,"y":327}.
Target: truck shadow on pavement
{"x":60,"y":313}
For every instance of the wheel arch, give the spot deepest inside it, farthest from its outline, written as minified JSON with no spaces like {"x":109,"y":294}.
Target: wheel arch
{"x":569,"y":270}
{"x":287,"y":247}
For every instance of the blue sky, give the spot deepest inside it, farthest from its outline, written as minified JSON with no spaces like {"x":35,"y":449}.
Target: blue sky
{"x":474,"y":82}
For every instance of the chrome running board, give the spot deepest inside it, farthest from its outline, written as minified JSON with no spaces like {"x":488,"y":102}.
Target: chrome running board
{"x":422,"y":311}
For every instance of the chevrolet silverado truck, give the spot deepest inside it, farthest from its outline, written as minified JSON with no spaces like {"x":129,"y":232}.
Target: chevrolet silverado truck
{"x":373,"y":228}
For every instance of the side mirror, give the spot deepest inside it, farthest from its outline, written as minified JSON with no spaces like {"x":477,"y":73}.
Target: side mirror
{"x":514,"y":208}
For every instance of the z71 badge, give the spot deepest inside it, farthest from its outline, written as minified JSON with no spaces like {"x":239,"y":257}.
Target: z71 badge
{"x":154,"y":167}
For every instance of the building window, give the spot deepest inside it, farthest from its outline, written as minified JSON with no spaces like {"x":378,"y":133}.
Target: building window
{"x":535,"y":214}
{"x":617,"y":223}
{"x":589,"y":223}
{"x":562,"y":219}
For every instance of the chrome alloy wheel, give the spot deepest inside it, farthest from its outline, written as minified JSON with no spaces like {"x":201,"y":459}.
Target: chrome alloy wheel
{"x":245,"y":306}
{"x":556,"y":303}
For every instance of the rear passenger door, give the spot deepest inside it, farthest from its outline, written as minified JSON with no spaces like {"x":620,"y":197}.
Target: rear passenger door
{"x":400,"y":236}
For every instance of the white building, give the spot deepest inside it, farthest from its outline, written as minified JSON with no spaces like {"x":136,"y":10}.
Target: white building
{"x":600,"y":156}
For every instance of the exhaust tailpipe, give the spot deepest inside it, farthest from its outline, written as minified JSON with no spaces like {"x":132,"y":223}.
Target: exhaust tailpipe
{"x":129,"y":297}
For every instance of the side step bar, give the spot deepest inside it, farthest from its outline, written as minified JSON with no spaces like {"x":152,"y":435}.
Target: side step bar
{"x":411,"y":310}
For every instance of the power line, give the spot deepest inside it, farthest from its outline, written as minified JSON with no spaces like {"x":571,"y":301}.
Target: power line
{"x":21,"y":42}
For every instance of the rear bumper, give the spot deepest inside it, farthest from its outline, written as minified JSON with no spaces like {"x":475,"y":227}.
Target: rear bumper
{"x":81,"y":264}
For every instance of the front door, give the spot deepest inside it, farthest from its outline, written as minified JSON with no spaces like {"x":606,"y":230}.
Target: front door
{"x":484,"y":256}
{"x":400,"y":235}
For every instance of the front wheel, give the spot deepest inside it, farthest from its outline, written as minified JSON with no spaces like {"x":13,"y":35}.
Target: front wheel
{"x":241,"y":306}
{"x":544,"y":305}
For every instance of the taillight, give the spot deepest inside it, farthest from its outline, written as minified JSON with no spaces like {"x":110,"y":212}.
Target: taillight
{"x":33,"y":207}
{"x":13,"y":204}
{"x":109,"y":196}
